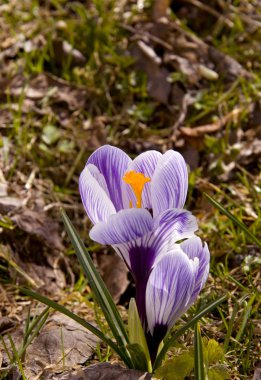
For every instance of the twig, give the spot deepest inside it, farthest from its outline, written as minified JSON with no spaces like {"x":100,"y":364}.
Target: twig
{"x":212,"y":11}
{"x":148,"y":35}
{"x":249,"y":20}
{"x":214,"y":127}
{"x":160,"y":9}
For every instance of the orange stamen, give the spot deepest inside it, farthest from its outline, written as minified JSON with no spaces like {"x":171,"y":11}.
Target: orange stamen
{"x":136,"y":182}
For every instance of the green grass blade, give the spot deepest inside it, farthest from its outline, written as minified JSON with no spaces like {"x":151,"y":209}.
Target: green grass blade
{"x":171,"y":341}
{"x":6,"y":349}
{"x":34,"y":332}
{"x":54,"y":305}
{"x":99,"y":289}
{"x":30,"y":327}
{"x":246,"y":316}
{"x":27,"y":324}
{"x":230,"y":327}
{"x":233,"y":219}
{"x":16,"y":357}
{"x":198,"y":355}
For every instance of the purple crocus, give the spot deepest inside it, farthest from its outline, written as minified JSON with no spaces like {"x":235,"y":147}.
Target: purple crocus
{"x":137,"y":207}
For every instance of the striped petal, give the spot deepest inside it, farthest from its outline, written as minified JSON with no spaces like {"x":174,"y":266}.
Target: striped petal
{"x":94,"y":195}
{"x":146,"y":164}
{"x":195,"y":249}
{"x":112,"y":163}
{"x":142,"y":253}
{"x":169,"y":183}
{"x":99,"y":177}
{"x":169,"y":289}
{"x":171,"y":226}
{"x":125,"y":226}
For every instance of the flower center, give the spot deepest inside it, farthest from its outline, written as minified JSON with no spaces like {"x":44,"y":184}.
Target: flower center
{"x":136,"y":182}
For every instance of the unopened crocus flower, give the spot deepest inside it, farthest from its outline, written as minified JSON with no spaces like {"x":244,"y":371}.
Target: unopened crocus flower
{"x":137,"y":207}
{"x":173,"y":285}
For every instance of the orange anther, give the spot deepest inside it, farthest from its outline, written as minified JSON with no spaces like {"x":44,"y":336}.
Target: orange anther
{"x":136,"y":182}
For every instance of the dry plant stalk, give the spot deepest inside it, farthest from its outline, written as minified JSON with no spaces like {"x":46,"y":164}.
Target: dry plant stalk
{"x":160,"y":9}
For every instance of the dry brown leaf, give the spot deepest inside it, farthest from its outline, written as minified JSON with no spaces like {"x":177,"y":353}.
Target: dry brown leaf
{"x":8,"y":204}
{"x":157,"y":85}
{"x":257,"y":374}
{"x":34,"y":250}
{"x":114,"y":273}
{"x":47,"y":86}
{"x":191,"y":156}
{"x":101,"y":371}
{"x":6,"y":324}
{"x":250,"y":151}
{"x":62,"y":343}
{"x":225,"y":65}
{"x":39,"y":225}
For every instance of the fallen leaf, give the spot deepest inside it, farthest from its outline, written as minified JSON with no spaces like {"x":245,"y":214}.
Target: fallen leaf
{"x":101,"y":371}
{"x":8,"y":204}
{"x":34,"y":250}
{"x":39,"y":225}
{"x":6,"y":324}
{"x":191,"y":156}
{"x":157,"y":85}
{"x":257,"y":374}
{"x":250,"y":151}
{"x":11,"y":47}
{"x":47,"y":86}
{"x":61,"y":343}
{"x":225,"y":65}
{"x":114,"y":273}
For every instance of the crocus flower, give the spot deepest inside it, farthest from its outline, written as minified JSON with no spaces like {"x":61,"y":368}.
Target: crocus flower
{"x":137,"y":207}
{"x":173,"y":285}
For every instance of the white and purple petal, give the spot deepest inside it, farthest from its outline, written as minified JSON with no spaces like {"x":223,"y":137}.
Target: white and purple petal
{"x":125,"y":226}
{"x":94,"y":195}
{"x":112,"y":163}
{"x":142,"y":253}
{"x":169,"y":183}
{"x":99,"y":177}
{"x":169,"y":289}
{"x":171,"y":226}
{"x":195,"y":249}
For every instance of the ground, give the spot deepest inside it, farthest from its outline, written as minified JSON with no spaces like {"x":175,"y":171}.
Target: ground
{"x":139,"y":75}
